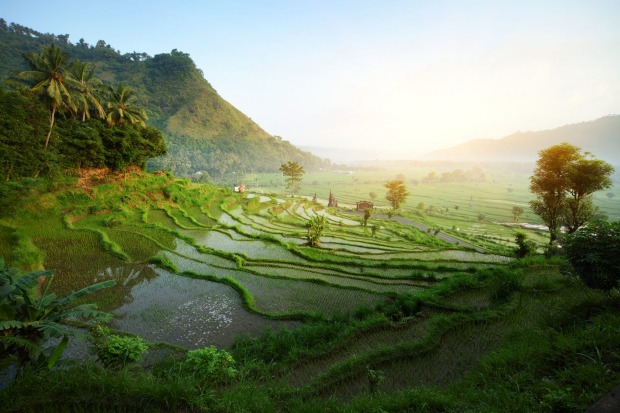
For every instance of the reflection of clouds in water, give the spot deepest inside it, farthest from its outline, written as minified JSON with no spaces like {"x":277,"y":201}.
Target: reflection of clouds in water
{"x":196,"y":321}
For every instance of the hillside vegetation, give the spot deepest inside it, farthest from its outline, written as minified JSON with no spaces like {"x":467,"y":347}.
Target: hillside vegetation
{"x":203,"y":131}
{"x":398,"y":320}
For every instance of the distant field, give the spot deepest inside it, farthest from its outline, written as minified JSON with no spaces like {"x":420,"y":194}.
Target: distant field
{"x":456,"y":205}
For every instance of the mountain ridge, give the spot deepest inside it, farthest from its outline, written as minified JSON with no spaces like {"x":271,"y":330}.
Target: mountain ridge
{"x":203,"y":131}
{"x":600,"y":137}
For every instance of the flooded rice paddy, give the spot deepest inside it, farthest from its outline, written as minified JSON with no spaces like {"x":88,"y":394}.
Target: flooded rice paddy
{"x":225,"y":272}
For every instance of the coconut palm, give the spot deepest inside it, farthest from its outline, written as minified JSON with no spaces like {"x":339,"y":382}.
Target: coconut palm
{"x":85,"y":96}
{"x":119,"y":107}
{"x":47,"y":74}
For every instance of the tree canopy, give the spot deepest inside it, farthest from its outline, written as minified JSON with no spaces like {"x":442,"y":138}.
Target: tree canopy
{"x":396,"y":193}
{"x":294,"y":174}
{"x":563,"y":182}
{"x":593,"y":253}
{"x":55,"y":85}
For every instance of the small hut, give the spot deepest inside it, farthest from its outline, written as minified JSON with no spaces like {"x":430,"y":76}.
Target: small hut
{"x":363,"y":205}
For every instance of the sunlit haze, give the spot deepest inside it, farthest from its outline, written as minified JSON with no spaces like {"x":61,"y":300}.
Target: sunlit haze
{"x":411,"y":76}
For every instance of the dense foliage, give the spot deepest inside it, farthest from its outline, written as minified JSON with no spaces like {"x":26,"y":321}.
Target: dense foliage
{"x":33,"y":142}
{"x":27,"y":323}
{"x":563,"y":183}
{"x":203,"y":131}
{"x":74,"y":144}
{"x":396,"y":193}
{"x":593,"y":252}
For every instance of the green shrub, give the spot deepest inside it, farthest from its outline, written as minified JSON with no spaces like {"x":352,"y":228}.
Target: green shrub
{"x":525,"y":246}
{"x":210,"y":363}
{"x":405,"y":305}
{"x":593,"y":253}
{"x":116,"y":351}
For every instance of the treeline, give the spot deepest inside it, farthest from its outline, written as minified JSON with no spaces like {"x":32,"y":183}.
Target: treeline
{"x":220,"y":158}
{"x":203,"y":132}
{"x":474,"y":174}
{"x":57,"y":116}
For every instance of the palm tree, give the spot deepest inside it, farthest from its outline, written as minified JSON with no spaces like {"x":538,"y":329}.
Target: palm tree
{"x":119,"y":107}
{"x":85,"y":96}
{"x":47,"y":72}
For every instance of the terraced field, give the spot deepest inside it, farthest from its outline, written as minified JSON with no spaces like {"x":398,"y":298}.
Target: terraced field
{"x":207,"y":267}
{"x":375,"y":309}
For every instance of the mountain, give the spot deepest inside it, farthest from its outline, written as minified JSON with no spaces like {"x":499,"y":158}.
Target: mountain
{"x":601,"y":137}
{"x":203,"y":131}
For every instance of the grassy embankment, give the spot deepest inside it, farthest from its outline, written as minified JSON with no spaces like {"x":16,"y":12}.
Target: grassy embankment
{"x":445,"y":335}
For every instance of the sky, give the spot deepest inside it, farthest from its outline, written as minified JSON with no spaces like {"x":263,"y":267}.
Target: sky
{"x":405,"y":77}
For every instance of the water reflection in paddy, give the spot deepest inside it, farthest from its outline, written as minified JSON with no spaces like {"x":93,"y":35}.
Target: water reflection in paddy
{"x":189,"y":312}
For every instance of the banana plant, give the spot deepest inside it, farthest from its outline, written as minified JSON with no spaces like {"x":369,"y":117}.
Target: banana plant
{"x":27,"y":320}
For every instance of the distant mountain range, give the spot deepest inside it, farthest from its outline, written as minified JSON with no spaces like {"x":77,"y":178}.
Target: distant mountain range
{"x":601,"y":137}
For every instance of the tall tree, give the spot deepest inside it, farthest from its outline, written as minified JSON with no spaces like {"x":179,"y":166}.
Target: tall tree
{"x":396,"y":193}
{"x":48,"y":75}
{"x":87,"y":84}
{"x":120,"y":107}
{"x":294,"y":173}
{"x":563,"y":181}
{"x":586,"y":176}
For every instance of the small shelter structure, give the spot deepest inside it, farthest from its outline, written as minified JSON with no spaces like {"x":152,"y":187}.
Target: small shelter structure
{"x":364,"y":205}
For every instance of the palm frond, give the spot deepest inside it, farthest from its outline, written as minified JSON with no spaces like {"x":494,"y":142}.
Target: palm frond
{"x":84,"y":311}
{"x":29,"y":345}
{"x":53,"y":329}
{"x":60,"y":348}
{"x":87,"y":290}
{"x":10,"y":324}
{"x":30,"y":279}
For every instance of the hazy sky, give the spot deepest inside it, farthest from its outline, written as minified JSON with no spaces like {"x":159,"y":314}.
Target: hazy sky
{"x":412,"y":75}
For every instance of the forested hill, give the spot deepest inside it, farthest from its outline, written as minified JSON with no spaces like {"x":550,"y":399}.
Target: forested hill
{"x":203,"y":131}
{"x":600,"y":137}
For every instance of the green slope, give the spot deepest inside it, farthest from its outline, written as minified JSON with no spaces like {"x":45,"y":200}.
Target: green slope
{"x":203,"y":131}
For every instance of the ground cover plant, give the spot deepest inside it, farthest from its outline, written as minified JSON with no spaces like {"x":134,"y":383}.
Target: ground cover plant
{"x":385,"y":320}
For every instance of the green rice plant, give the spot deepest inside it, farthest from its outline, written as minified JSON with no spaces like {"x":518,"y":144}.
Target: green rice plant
{"x":502,"y":285}
{"x":165,"y":263}
{"x":101,"y":390}
{"x":107,"y":244}
{"x":25,"y":255}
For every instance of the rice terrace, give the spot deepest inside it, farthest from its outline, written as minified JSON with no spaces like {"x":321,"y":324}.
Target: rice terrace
{"x":162,"y":252}
{"x":369,"y":311}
